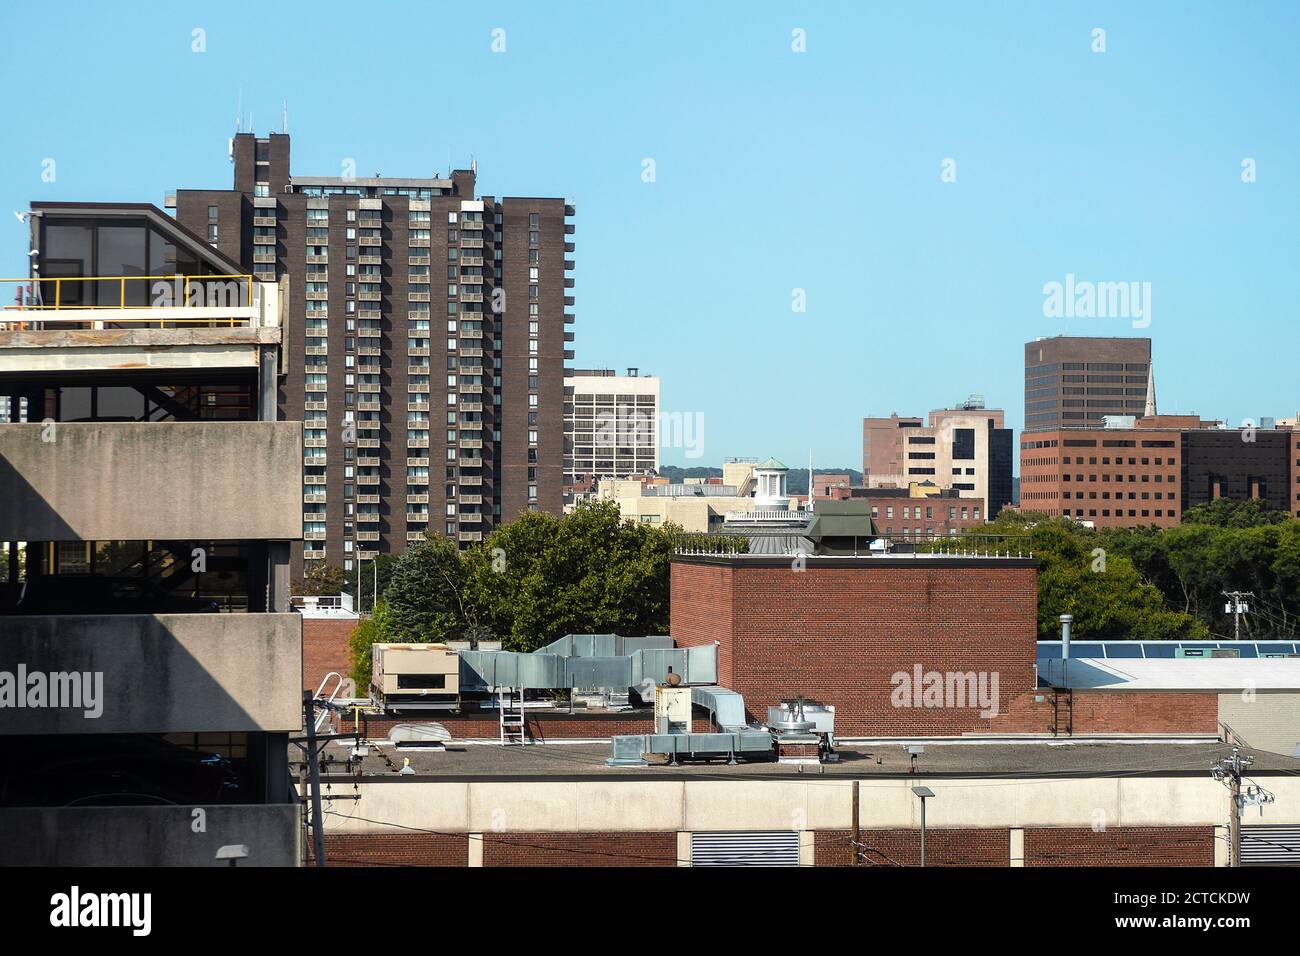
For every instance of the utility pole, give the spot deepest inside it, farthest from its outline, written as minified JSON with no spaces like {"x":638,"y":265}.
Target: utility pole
{"x":1237,"y":607}
{"x":313,"y":768}
{"x":1229,"y":770}
{"x":313,"y":745}
{"x":857,"y":832}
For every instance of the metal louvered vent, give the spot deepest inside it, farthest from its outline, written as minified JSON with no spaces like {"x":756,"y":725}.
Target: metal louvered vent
{"x":761,"y":848}
{"x":1270,"y":845}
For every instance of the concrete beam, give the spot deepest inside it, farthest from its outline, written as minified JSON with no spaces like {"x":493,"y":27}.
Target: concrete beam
{"x":130,"y":481}
{"x":91,"y":350}
{"x":142,"y":673}
{"x":147,"y":836}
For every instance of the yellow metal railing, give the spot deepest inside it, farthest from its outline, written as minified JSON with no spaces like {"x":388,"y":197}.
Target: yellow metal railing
{"x":50,"y":295}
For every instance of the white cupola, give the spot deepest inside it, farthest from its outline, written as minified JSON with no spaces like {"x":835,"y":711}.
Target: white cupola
{"x":769,"y":486}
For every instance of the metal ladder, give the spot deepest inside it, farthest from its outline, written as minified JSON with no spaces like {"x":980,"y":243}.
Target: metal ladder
{"x":1062,"y":712}
{"x":325,"y":713}
{"x":510,"y":711}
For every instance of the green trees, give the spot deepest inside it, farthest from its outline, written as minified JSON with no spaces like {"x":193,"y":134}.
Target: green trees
{"x":383,"y":565}
{"x":1225,"y":546}
{"x":426,"y":595}
{"x":1163,"y":584}
{"x":532,"y":581}
{"x":320,"y":578}
{"x":1079,"y":574}
{"x":542,"y":576}
{"x":369,"y":630}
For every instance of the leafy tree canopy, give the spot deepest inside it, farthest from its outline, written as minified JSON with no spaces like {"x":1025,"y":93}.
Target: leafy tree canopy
{"x":1152,"y":583}
{"x":532,"y":581}
{"x":320,"y":578}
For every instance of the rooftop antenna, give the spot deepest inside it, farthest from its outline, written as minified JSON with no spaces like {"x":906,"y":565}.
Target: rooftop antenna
{"x":285,"y":122}
{"x":239,"y":116}
{"x":810,"y":481}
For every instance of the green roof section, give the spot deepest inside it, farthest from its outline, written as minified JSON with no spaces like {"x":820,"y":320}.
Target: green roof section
{"x":772,"y":463}
{"x":838,"y":525}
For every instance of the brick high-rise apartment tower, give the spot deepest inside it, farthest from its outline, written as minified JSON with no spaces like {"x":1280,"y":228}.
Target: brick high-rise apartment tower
{"x":426,"y":333}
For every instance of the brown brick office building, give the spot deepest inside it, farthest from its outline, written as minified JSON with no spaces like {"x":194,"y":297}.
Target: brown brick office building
{"x":1238,"y":464}
{"x":432,"y":321}
{"x":1295,"y":473}
{"x":1074,"y":381}
{"x":1151,"y":473}
{"x":1111,"y":477}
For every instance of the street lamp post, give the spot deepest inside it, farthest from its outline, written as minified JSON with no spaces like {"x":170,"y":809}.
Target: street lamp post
{"x":924,"y":793}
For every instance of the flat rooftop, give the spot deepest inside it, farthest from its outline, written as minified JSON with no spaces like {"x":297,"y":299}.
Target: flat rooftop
{"x":1037,"y":759}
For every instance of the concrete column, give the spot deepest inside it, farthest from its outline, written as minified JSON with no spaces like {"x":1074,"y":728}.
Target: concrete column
{"x":475,"y":850}
{"x":278,"y":584}
{"x":1221,"y":847}
{"x":807,"y":844}
{"x":683,"y":849}
{"x":268,"y":407}
{"x":270,"y":748}
{"x":1017,"y":846}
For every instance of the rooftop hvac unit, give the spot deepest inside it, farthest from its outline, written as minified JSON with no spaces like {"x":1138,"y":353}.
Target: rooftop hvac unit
{"x":415,"y":676}
{"x":672,"y":709}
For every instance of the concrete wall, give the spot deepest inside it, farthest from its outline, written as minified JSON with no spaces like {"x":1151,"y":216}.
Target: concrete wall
{"x":130,"y":481}
{"x":161,"y":673}
{"x":147,"y":836}
{"x":1266,"y":720}
{"x":691,"y":513}
{"x":707,"y":805}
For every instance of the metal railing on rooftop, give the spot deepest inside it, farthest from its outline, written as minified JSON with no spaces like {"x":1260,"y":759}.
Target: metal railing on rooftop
{"x":61,"y":302}
{"x":919,"y":547}
{"x":1006,"y":553}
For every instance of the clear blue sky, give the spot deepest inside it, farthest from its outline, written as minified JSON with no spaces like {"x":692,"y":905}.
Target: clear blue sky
{"x":774,"y":171}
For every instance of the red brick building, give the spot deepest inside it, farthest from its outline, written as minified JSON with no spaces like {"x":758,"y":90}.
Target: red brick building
{"x":842,"y":630}
{"x":325,"y":649}
{"x":1115,"y":478}
{"x":1152,"y":472}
